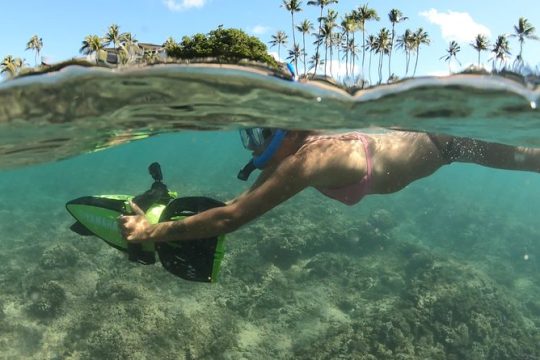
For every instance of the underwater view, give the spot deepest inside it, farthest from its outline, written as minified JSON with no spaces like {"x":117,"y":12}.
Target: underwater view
{"x":446,"y":268}
{"x":286,"y":179}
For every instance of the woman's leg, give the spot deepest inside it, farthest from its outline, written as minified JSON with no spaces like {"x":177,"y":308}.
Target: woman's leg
{"x":460,"y":149}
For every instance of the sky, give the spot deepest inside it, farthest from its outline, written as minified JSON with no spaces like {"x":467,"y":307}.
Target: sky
{"x":63,"y":24}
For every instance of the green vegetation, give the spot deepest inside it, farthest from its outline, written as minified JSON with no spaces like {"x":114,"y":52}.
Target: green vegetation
{"x":523,"y":30}
{"x":480,"y":44}
{"x":228,"y":45}
{"x":451,"y":53}
{"x":280,"y":38}
{"x":11,"y":65}
{"x":36,"y":44}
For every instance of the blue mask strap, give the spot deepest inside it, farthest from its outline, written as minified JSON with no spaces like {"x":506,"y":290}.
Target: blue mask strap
{"x":291,"y":70}
{"x":261,"y":160}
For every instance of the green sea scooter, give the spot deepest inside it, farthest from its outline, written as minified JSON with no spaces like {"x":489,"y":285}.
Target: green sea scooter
{"x":196,"y":260}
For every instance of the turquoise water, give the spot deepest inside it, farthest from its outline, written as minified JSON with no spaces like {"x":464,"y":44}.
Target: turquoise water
{"x":444,"y":269}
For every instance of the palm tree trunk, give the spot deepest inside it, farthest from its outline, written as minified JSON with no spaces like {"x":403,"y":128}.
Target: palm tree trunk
{"x":292,"y":23}
{"x":318,"y":44}
{"x":407,"y":61}
{"x":304,"y":51}
{"x":362,"y":47}
{"x":325,"y":58}
{"x":416,"y":62}
{"x":331,"y":57}
{"x":347,"y":56}
{"x":380,"y":67}
{"x":294,"y":42}
{"x":338,"y":58}
{"x":353,"y":59}
{"x":390,"y":53}
{"x":478,"y":58}
{"x":369,"y":69}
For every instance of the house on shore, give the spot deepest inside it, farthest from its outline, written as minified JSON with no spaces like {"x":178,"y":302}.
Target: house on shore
{"x":136,"y":54}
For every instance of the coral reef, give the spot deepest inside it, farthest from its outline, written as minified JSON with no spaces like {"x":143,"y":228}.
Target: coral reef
{"x":46,"y":300}
{"x":59,"y":257}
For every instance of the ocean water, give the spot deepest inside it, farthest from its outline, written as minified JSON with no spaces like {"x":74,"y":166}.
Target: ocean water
{"x":445,"y":269}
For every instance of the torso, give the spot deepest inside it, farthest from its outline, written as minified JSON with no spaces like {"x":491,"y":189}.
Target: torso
{"x":397,"y":159}
{"x":344,"y":165}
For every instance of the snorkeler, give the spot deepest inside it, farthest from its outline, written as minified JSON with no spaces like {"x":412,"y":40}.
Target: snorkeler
{"x":345,"y":167}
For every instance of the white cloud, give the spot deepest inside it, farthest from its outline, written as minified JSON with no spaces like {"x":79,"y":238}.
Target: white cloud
{"x":180,"y":5}
{"x":274,"y":54}
{"x":260,"y":29}
{"x":339,"y":69}
{"x":458,"y":26}
{"x":438,"y":73}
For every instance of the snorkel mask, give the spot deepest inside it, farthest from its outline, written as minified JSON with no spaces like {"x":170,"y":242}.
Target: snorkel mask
{"x":265,"y":141}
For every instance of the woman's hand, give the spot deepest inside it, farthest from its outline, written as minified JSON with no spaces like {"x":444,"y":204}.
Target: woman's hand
{"x":135,"y":228}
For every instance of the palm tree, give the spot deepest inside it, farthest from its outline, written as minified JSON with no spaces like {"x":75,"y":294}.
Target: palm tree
{"x":292,"y":6}
{"x":91,"y":44}
{"x":523,"y":30}
{"x":112,"y":36}
{"x":11,"y":65}
{"x":480,"y":44}
{"x":406,"y":42}
{"x":280,"y":38}
{"x":35,"y":43}
{"x":451,"y":53}
{"x":315,"y":61}
{"x":128,"y":47}
{"x":351,"y":54}
{"x":305,"y":27}
{"x":150,"y":57}
{"x":500,"y":50}
{"x":364,"y":14}
{"x":337,"y":43}
{"x":420,"y":37}
{"x":348,"y":26}
{"x":382,"y":48}
{"x":324,"y":37}
{"x":294,"y":53}
{"x":371,"y":46}
{"x":322,"y":4}
{"x":170,"y":46}
{"x":123,"y":55}
{"x":395,"y":16}
{"x":329,"y":24}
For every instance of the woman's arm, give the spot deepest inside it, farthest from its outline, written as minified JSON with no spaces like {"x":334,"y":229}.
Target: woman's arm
{"x":285,"y":181}
{"x":260,"y":180}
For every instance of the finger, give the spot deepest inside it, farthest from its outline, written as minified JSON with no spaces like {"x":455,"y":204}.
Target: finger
{"x":135,"y":208}
{"x":124,"y":232}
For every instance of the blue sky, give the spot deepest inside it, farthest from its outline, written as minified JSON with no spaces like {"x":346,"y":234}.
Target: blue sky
{"x":63,"y":24}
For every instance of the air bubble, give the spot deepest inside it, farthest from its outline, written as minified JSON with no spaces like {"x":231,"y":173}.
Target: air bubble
{"x":533,"y":105}
{"x":318,"y":99}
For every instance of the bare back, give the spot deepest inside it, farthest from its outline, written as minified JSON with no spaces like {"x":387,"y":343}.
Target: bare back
{"x":401,"y":157}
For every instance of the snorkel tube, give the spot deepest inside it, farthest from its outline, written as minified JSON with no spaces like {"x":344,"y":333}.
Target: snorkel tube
{"x":259,"y":162}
